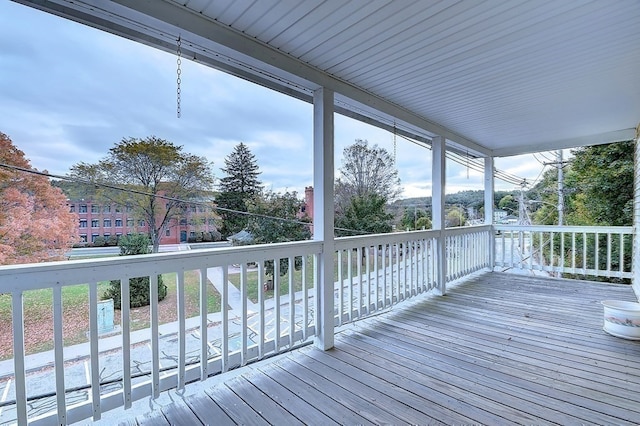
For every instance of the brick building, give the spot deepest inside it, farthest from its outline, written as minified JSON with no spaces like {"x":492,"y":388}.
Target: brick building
{"x":111,"y":220}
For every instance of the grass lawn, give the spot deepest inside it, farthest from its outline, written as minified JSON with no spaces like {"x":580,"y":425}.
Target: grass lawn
{"x":38,"y":313}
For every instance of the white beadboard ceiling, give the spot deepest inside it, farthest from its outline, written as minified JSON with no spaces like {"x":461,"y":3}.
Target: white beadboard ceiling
{"x":496,"y":77}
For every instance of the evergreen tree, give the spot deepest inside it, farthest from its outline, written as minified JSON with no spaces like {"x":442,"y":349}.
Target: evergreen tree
{"x":239,"y":186}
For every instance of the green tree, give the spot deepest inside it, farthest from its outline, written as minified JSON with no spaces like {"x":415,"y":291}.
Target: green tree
{"x":368,"y":180}
{"x":601,"y":177}
{"x":509,"y":203}
{"x":157,"y":177}
{"x":288,"y":227}
{"x":364,"y":213}
{"x":543,"y":199}
{"x":598,"y":191}
{"x":265,"y":228}
{"x":138,"y":287}
{"x":366,"y":170}
{"x":423,"y":223}
{"x":414,"y":218}
{"x":455,"y":216}
{"x":237,"y":188}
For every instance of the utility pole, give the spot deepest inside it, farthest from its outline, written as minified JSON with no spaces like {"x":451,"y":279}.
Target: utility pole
{"x":560,"y":164}
{"x":523,"y":214}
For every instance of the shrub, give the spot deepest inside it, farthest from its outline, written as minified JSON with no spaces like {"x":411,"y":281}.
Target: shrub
{"x":99,"y":242}
{"x":139,"y":286}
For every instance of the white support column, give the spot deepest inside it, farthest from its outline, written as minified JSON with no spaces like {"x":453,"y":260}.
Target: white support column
{"x":438,"y":170}
{"x":323,"y":213}
{"x":635,"y":265}
{"x":488,"y":206}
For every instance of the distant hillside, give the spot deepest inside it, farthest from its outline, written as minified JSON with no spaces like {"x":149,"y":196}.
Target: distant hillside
{"x":465,"y":198}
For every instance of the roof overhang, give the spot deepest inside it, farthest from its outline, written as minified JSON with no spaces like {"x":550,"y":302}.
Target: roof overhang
{"x":494,"y":78}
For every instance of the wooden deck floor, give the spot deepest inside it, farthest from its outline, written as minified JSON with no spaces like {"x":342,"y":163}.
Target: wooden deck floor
{"x":499,"y":349}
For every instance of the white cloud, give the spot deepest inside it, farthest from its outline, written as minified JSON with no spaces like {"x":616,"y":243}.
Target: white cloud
{"x":70,"y":92}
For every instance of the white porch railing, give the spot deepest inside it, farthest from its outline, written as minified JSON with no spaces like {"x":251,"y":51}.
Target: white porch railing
{"x":468,"y":250}
{"x":375,"y":272}
{"x":372,"y":273}
{"x":603,"y":251}
{"x":70,"y":384}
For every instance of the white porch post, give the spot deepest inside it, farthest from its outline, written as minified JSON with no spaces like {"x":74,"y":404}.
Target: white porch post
{"x":438,"y":170}
{"x":488,"y":206}
{"x":323,"y":213}
{"x":635,"y":265}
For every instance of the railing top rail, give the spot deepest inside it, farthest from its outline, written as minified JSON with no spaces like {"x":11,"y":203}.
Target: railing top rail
{"x":565,"y":228}
{"x":55,"y":274}
{"x":342,"y":243}
{"x":467,"y":229}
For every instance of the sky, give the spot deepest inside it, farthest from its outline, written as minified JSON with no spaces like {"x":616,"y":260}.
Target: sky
{"x":69,"y":92}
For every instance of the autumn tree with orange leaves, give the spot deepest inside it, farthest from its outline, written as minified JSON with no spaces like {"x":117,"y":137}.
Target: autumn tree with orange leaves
{"x":35,"y":222}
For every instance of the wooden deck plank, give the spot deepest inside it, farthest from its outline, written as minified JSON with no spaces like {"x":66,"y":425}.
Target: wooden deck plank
{"x":547,"y":343}
{"x":408,"y":406}
{"x":497,"y":349}
{"x":270,"y":410}
{"x":358,"y":399}
{"x":289,"y":400}
{"x":154,"y":418}
{"x":206,"y":409}
{"x":529,"y":361}
{"x":478,"y":402}
{"x":439,"y":395}
{"x":537,"y":390}
{"x":544,"y":340}
{"x":395,"y":385}
{"x":234,"y":406}
{"x":336,"y":411}
{"x":181,"y":414}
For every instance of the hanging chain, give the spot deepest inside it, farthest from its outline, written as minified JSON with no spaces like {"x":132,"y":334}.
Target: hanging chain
{"x":395,"y":145}
{"x":178,"y":71}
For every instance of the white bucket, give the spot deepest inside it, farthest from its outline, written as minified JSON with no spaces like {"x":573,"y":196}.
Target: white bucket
{"x":622,"y":319}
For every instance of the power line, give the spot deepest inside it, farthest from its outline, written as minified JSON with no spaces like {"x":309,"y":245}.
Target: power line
{"x":535,"y":181}
{"x":474,"y":164}
{"x":165,"y":197}
{"x":543,"y":154}
{"x":537,"y":159}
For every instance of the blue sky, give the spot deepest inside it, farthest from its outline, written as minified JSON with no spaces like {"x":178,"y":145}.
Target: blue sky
{"x":69,"y":92}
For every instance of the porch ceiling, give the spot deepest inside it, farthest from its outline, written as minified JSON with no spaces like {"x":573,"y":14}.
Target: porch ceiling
{"x":498,"y":77}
